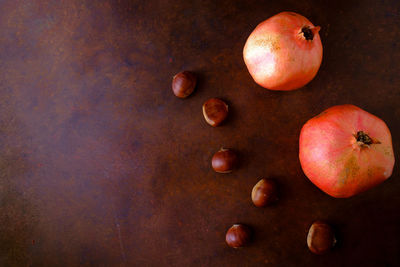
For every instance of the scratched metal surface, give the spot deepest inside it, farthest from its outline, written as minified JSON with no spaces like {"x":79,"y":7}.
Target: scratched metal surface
{"x":101,"y":165}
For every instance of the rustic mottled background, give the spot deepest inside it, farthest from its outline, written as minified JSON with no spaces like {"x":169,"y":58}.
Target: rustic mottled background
{"x":101,"y":165}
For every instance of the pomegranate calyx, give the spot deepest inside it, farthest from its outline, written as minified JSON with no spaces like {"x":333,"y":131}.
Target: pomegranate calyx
{"x":316,"y":29}
{"x":309,"y":32}
{"x":364,"y":140}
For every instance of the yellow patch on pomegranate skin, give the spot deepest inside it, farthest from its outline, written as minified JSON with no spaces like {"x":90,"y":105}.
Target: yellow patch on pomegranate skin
{"x":349,"y":172}
{"x":271,"y":42}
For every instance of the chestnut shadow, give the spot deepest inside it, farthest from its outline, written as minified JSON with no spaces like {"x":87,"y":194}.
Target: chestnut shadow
{"x":337,"y":230}
{"x":281,"y":190}
{"x":200,"y":81}
{"x":232,"y":113}
{"x":257,"y":236}
{"x":242,"y":159}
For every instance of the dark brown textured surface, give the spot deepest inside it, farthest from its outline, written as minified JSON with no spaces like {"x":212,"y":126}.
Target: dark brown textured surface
{"x":101,"y":165}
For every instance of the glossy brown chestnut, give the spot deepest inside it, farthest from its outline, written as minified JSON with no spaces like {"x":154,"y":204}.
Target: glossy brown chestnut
{"x":320,"y":238}
{"x":238,"y":235}
{"x":224,"y":161}
{"x":183,"y":83}
{"x":215,"y":111}
{"x":264,"y":193}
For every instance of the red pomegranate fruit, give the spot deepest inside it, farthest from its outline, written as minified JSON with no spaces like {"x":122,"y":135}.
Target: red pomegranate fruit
{"x":284,"y":52}
{"x":346,"y":150}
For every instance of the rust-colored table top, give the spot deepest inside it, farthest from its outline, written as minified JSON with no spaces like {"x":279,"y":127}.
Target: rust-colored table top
{"x":101,"y":165}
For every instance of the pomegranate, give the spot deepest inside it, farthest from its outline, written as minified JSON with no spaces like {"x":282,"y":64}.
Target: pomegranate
{"x":346,"y":150}
{"x":283,"y":52}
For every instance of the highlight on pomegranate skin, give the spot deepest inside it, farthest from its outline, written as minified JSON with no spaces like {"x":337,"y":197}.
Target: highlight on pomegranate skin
{"x":283,"y":52}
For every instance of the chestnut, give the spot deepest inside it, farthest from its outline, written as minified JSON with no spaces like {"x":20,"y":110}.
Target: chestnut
{"x":320,"y":238}
{"x":224,"y":161}
{"x":264,"y":193}
{"x":238,"y":235}
{"x":183,"y":83}
{"x":215,"y":111}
